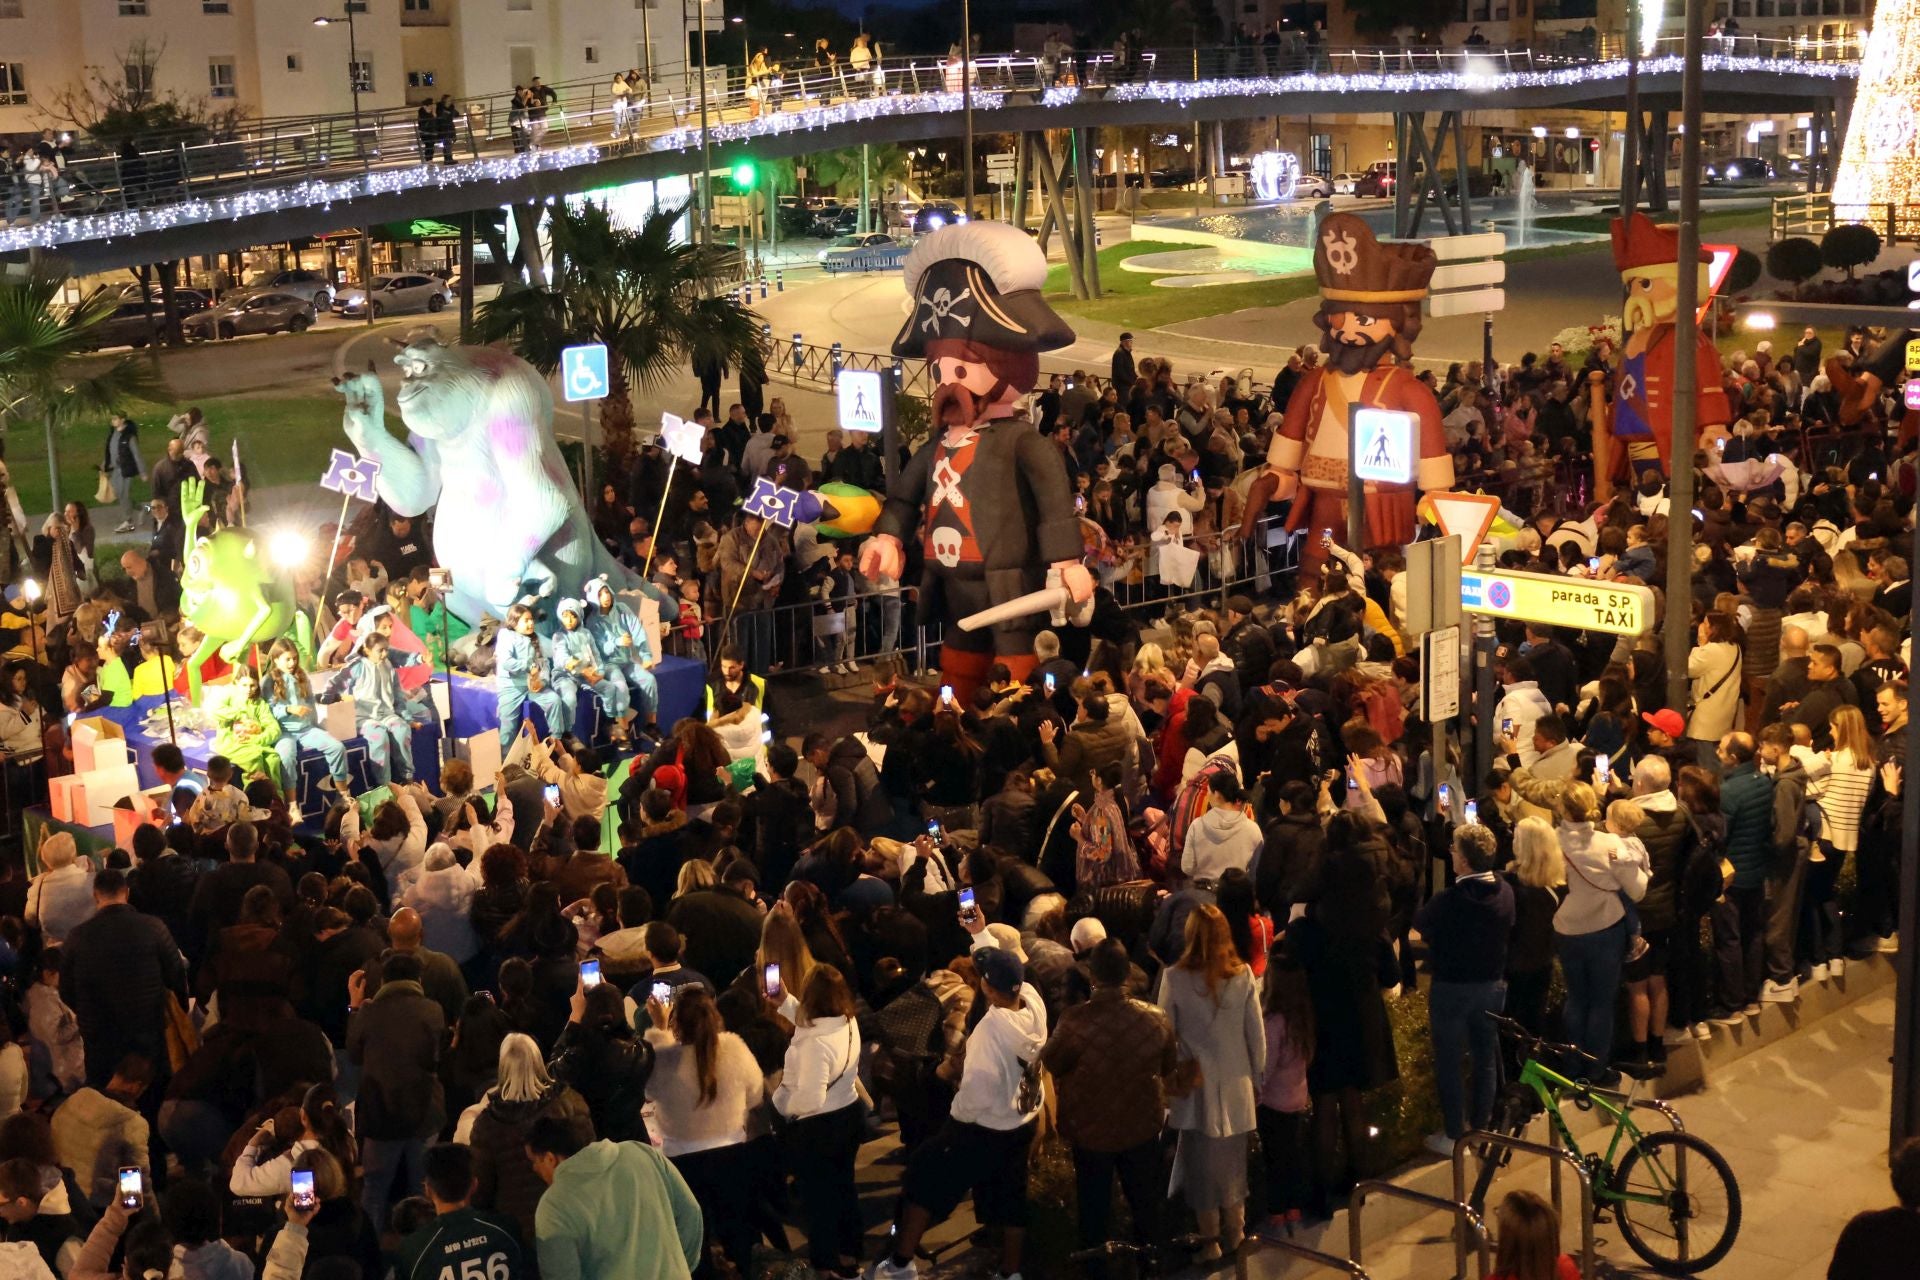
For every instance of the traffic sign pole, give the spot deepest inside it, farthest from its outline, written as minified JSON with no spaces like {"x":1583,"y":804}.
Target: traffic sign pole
{"x":1356,"y":488}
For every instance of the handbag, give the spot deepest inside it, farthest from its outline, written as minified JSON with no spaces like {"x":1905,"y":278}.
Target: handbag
{"x":1738,"y":658}
{"x":104,"y":492}
{"x":800,"y":1130}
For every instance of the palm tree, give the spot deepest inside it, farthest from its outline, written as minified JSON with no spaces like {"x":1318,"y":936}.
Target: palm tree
{"x":41,"y":375}
{"x":643,"y":295}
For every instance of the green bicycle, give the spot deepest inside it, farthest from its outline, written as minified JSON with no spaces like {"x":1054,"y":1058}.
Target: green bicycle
{"x":1674,"y":1197}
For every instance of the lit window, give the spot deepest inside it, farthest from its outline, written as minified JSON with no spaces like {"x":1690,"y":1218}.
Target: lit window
{"x":133,"y":8}
{"x":361,"y":74}
{"x":13,"y":84}
{"x":220,"y":82}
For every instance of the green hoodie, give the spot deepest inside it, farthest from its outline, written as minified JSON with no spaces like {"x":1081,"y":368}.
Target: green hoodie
{"x":609,"y":1213}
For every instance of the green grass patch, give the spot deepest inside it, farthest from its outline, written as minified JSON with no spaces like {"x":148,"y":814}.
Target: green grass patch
{"x":1710,"y":220}
{"x":283,"y":440}
{"x":1130,"y":297}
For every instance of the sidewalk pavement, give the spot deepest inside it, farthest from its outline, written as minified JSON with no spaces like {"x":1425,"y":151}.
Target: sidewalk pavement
{"x":1803,"y":1122}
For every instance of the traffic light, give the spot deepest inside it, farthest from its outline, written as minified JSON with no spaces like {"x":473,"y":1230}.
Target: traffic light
{"x":744,"y":175}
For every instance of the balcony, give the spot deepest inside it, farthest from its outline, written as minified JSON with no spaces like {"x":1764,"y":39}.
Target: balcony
{"x":424,"y":13}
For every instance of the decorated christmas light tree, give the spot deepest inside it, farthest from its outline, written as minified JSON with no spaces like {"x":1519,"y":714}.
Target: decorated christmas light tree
{"x":1880,"y":163}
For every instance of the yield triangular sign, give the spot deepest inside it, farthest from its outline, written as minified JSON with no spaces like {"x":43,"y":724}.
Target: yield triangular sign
{"x":1719,"y":268}
{"x":1469,"y":515}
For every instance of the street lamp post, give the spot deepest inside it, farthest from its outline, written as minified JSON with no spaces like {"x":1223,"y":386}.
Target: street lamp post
{"x":353,"y":61}
{"x":706,"y":140}
{"x":966,"y":90}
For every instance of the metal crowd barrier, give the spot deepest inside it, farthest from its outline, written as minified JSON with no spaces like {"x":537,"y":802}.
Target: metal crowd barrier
{"x":1465,"y":1221}
{"x":1480,"y":1138}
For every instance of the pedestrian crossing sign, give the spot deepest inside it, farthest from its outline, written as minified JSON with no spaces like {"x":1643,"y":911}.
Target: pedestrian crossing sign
{"x":859,"y":392}
{"x":1383,"y":445}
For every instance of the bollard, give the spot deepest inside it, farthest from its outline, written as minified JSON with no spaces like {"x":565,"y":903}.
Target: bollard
{"x":796,"y":358}
{"x":780,"y":280}
{"x":766,"y":332}
{"x":763,"y":288}
{"x":836,"y":362}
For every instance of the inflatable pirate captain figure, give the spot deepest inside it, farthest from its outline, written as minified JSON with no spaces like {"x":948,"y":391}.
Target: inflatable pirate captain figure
{"x":987,"y":496}
{"x":1370,"y":296}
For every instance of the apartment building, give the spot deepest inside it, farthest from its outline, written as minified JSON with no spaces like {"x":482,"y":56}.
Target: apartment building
{"x":268,"y":58}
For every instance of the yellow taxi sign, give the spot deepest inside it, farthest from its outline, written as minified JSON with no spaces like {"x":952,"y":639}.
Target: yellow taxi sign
{"x":1622,"y":608}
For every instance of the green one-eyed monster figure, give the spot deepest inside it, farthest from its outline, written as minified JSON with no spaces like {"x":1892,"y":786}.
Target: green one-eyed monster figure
{"x":230,"y":594}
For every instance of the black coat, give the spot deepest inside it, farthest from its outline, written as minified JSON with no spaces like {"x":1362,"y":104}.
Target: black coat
{"x":395,"y":1038}
{"x":779,"y":822}
{"x":722,"y":931}
{"x":610,"y":1071}
{"x":115,"y":972}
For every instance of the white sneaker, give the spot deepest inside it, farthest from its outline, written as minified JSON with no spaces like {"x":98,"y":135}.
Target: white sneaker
{"x":1735,"y":1019}
{"x":1440,"y":1144}
{"x":1752,"y":1010}
{"x":1890,"y":943}
{"x":1780,"y":992}
{"x":850,"y":668}
{"x":1837,"y":966}
{"x":826,"y":670}
{"x":125,"y":526}
{"x":1820,"y":973}
{"x":886,"y":1270}
{"x":1702,"y":1031}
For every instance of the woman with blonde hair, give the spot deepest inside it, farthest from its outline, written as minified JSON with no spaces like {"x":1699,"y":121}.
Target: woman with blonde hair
{"x":1538,"y":877}
{"x":60,"y":898}
{"x":1208,"y":995}
{"x":783,"y":942}
{"x":696,"y":874}
{"x":1842,"y":793}
{"x":504,"y":1179}
{"x":819,"y":1098}
{"x":1590,"y":925}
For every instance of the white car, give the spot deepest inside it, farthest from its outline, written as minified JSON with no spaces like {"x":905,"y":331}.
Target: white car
{"x":393,"y":292}
{"x":1343,"y":183}
{"x":1311,"y":186}
{"x":848,"y":246}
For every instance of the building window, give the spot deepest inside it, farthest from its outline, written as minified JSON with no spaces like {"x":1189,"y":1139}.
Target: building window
{"x":215,"y":6}
{"x":138,"y":77}
{"x":361,"y":75}
{"x":10,"y":9}
{"x":520,"y":5}
{"x":293,"y":62}
{"x":13,"y":84}
{"x":220,"y":78}
{"x":133,"y":8}
{"x":592,"y":54}
{"x":419,"y":79}
{"x":357,"y":6}
{"x":419,"y":6}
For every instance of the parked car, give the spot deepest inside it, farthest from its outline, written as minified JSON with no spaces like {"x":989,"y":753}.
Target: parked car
{"x":186,"y":302}
{"x":1375,"y":182}
{"x":131,"y":324}
{"x":1311,"y":186}
{"x":1343,"y":183}
{"x":932,"y":217}
{"x":851,"y":246}
{"x":1740,"y":169}
{"x":313,"y":284}
{"x":274,"y":312}
{"x":825,"y":216}
{"x":394,"y":292}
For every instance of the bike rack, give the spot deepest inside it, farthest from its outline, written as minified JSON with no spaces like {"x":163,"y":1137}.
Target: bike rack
{"x":1481,"y":1138}
{"x":1254,"y":1244}
{"x":1672,"y":1117}
{"x":1464,"y":1219}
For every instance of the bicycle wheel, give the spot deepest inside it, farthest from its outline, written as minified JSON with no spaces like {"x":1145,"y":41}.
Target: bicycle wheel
{"x":1698,"y":1214}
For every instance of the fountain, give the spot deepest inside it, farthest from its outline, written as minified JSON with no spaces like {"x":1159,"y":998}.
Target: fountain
{"x":1523,"y":204}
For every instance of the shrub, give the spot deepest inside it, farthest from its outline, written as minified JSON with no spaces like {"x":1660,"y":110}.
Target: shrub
{"x":1743,"y":274}
{"x":1795,"y":260}
{"x":1849,"y":245}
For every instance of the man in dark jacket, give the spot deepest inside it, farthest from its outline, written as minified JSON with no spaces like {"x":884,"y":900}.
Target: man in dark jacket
{"x":721,"y":924}
{"x":1466,"y":928}
{"x":1789,"y":682}
{"x":1094,"y":741}
{"x":779,"y":819}
{"x":1787,"y":871}
{"x":115,"y":972}
{"x":1554,"y":667}
{"x":1290,"y":859}
{"x":1111,"y":1059}
{"x":440,"y":976}
{"x":859,"y":801}
{"x":1122,"y":374}
{"x":1826,"y":690}
{"x":395,"y":1039}
{"x":1247,"y":643}
{"x":162,"y":882}
{"x":859,"y":463}
{"x":217,"y":898}
{"x":1740,"y":918}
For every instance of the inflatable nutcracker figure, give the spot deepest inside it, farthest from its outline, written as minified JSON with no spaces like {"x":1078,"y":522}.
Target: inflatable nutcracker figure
{"x":1370,"y":295}
{"x":1647,"y":255}
{"x":987,"y":495}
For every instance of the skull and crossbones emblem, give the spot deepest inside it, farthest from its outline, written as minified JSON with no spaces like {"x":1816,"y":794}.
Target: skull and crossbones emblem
{"x":946,"y":546}
{"x":1343,"y":255}
{"x":940,"y":306}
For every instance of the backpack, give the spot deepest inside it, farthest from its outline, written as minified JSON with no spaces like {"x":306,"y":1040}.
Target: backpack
{"x":1708,"y":871}
{"x":1191,"y":801}
{"x":671,"y":778}
{"x":1380,"y":703}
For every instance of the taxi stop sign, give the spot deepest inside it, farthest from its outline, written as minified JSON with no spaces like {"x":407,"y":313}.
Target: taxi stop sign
{"x":1621,"y":608}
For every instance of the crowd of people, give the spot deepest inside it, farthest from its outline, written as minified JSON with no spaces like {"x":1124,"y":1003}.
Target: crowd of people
{"x":1153,"y":902}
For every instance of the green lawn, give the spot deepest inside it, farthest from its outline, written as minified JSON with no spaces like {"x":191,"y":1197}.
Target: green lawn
{"x":1130,"y":297}
{"x":1710,"y":220}
{"x":283,"y":440}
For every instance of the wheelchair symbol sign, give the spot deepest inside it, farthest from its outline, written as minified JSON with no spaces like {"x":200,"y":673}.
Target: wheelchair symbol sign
{"x":583,"y":372}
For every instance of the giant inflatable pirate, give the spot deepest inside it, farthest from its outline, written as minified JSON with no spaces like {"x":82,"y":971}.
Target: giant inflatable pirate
{"x":987,"y":496}
{"x":1370,"y":296}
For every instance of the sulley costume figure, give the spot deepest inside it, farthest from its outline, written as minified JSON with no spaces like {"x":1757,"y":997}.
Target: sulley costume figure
{"x":480,"y":424}
{"x":988,"y":495}
{"x":1370,"y":296}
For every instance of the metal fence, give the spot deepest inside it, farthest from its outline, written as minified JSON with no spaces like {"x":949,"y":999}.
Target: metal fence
{"x":1814,"y":214}
{"x":165,"y":169}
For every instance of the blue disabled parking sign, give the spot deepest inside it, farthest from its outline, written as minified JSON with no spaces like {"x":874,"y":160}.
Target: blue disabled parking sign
{"x":583,"y":372}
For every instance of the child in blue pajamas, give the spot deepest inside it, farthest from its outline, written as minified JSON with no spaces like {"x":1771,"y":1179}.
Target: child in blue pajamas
{"x":290,"y":694}
{"x":380,"y":708}
{"x":627,"y":652}
{"x":521,"y":674}
{"x":580,"y":663}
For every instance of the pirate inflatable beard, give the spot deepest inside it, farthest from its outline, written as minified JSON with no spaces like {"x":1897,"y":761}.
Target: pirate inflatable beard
{"x":987,"y":496}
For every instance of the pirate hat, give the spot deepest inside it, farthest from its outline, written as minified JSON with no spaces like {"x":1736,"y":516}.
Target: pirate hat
{"x":1353,"y":267}
{"x":979,"y":281}
{"x":1640,"y":243}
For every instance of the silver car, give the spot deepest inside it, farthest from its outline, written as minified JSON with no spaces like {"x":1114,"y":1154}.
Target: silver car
{"x":394,"y":292}
{"x":260,"y":313}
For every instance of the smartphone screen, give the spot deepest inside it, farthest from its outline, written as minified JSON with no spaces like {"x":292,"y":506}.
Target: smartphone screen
{"x":1473,"y":812}
{"x":303,"y":1197}
{"x":1506,"y":725}
{"x":1446,"y":795}
{"x":946,"y":693}
{"x":1593,"y":564}
{"x":552,"y":792}
{"x":770,"y":979}
{"x":1049,"y":681}
{"x":1353,"y":782}
{"x":589,"y":974}
{"x":966,"y":899}
{"x":936,"y":832}
{"x":663,"y":992}
{"x":1602,"y":769}
{"x":133,"y":1188}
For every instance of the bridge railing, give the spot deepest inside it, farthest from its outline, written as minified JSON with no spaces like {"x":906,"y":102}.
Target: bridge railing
{"x":169,"y":169}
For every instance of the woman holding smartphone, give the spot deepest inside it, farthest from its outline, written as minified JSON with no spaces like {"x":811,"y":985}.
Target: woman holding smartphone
{"x":819,"y":1099}
{"x":704,"y":1082}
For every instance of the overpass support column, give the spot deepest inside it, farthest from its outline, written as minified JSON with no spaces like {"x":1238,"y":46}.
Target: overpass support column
{"x":1022,"y":165}
{"x":1417,"y":149}
{"x":1404,"y":126}
{"x":466,"y":275}
{"x":1084,"y":200}
{"x":1052,"y":176}
{"x":1658,"y":141}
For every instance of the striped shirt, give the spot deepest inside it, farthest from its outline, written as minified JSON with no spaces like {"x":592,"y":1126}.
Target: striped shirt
{"x":1842,"y":794}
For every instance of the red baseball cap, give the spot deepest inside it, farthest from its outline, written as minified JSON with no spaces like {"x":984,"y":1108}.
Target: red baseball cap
{"x":1667,"y":721}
